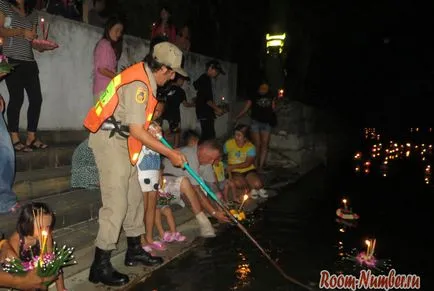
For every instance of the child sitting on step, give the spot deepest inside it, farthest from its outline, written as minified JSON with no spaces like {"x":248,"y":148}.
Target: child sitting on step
{"x":35,"y":219}
{"x":224,"y":183}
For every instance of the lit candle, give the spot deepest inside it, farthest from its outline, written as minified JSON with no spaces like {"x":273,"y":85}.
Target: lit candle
{"x":373,"y":247}
{"x":344,"y":201}
{"x":44,"y":234}
{"x":43,"y":27}
{"x":368,"y":249}
{"x":244,"y":200}
{"x":46,"y":32}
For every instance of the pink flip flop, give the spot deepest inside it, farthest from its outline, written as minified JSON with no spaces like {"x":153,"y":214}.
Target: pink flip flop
{"x":149,"y":250}
{"x":177,"y":236}
{"x":168,"y":237}
{"x":157,"y":245}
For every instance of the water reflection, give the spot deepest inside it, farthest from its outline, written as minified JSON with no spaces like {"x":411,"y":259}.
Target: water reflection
{"x":300,"y":227}
{"x":242,"y":273}
{"x":379,"y":154}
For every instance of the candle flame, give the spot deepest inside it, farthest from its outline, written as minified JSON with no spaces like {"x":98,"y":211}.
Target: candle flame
{"x":44,"y":233}
{"x":245,"y":197}
{"x":42,"y":19}
{"x":344,"y":201}
{"x":368,"y":242}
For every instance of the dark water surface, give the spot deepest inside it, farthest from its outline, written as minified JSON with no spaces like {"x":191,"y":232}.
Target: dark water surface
{"x":298,"y":228}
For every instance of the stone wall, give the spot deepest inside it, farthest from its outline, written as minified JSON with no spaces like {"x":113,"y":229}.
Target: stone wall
{"x":66,"y":74}
{"x":299,"y":141}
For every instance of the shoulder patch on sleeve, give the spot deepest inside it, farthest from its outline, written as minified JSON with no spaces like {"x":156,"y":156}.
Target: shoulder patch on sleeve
{"x":141,"y":95}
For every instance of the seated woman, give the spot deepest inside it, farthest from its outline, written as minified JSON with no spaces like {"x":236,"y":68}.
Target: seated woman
{"x":241,"y":163}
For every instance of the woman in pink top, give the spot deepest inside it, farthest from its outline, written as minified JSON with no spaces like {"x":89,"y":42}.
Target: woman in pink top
{"x":108,"y":50}
{"x":106,"y":55}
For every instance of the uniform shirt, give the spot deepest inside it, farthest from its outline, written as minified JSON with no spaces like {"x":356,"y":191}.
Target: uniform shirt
{"x":204,"y":171}
{"x":238,"y":155}
{"x":130,"y":110}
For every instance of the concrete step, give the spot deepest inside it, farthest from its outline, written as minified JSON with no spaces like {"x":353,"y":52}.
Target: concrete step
{"x":60,"y":137}
{"x":43,"y":182}
{"x":71,"y":207}
{"x":53,"y":157}
{"x":82,"y":237}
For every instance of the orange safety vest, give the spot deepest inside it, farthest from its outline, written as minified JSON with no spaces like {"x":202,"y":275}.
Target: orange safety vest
{"x":109,"y":100}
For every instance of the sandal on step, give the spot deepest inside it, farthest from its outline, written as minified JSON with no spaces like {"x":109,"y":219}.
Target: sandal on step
{"x":167,"y":237}
{"x":20,"y":147}
{"x":177,"y":236}
{"x":37,"y":145}
{"x":157,"y":245}
{"x":149,"y":250}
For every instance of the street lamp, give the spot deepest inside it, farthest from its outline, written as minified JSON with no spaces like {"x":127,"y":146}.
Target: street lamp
{"x":275,"y":42}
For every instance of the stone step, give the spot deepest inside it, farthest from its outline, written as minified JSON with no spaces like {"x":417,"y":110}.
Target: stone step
{"x":52,"y":157}
{"x":60,"y":137}
{"x":71,"y":207}
{"x":82,"y":237}
{"x":43,"y":182}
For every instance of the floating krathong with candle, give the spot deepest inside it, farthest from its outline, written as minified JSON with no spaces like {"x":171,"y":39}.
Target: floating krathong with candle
{"x":366,"y":260}
{"x":345,"y":212}
{"x":239,"y":213}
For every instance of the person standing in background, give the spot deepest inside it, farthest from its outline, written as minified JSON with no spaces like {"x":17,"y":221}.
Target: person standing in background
{"x":108,"y":50}
{"x":163,"y":29}
{"x":262,"y":105}
{"x":206,"y":109}
{"x":175,"y":97}
{"x":95,"y":16}
{"x":8,"y":199}
{"x":183,"y":38}
{"x":18,"y":25}
{"x":106,"y":55}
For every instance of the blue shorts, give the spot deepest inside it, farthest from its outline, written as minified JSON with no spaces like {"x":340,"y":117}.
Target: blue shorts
{"x":257,"y":126}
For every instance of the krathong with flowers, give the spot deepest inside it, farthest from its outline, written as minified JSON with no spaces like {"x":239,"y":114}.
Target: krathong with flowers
{"x":47,"y":264}
{"x":5,"y":66}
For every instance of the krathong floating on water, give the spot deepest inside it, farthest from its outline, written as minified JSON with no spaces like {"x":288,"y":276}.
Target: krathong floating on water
{"x":382,"y":154}
{"x":346,"y":213}
{"x":240,"y":215}
{"x":367,"y":260}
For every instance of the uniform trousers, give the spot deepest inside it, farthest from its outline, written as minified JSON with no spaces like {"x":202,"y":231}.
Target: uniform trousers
{"x":122,"y":198}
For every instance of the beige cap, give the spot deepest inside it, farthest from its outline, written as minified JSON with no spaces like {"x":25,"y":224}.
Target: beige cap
{"x":170,"y":55}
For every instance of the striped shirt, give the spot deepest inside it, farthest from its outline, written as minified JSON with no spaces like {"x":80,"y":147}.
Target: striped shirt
{"x":17,"y":47}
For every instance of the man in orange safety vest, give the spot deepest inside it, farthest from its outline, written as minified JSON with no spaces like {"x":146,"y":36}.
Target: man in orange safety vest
{"x":118,"y":124}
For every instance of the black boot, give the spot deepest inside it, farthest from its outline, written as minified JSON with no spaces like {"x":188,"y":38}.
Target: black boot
{"x":103,"y":271}
{"x":136,"y":254}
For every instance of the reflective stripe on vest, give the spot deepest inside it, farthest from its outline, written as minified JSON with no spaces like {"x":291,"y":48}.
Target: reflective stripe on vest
{"x":109,"y":100}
